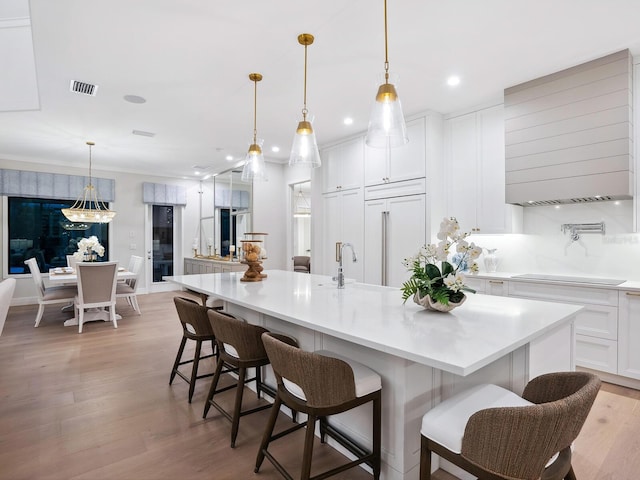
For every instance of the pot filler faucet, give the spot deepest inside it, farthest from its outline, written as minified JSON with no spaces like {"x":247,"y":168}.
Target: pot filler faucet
{"x":340,"y":276}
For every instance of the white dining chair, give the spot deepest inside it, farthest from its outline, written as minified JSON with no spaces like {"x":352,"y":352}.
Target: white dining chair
{"x":71,"y":261}
{"x":49,"y":295}
{"x":129,"y":287}
{"x":96,"y":289}
{"x":7,"y":288}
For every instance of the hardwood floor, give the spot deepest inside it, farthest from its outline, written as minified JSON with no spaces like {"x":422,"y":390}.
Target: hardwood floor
{"x":98,"y":406}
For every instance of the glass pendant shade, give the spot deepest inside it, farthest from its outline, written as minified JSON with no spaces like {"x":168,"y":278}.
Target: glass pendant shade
{"x":254,"y":166}
{"x":305,"y":148}
{"x":387,"y":128}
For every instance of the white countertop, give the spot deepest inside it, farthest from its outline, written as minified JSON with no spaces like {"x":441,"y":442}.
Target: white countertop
{"x":473,"y":335}
{"x":630,"y":285}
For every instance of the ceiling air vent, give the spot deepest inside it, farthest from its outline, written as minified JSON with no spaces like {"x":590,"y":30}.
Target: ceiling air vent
{"x":83,"y":88}
{"x":142,"y":133}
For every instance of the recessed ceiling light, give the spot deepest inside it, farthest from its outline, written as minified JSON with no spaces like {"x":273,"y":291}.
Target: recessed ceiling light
{"x":348,"y":121}
{"x":275,"y":149}
{"x":229,"y":157}
{"x":134,"y":99}
{"x":453,"y":80}
{"x":196,"y":173}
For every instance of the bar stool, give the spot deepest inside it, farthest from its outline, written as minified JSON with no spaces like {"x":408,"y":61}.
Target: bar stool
{"x":320,"y":384}
{"x":495,"y":434}
{"x":240,"y":347}
{"x":195,"y":326}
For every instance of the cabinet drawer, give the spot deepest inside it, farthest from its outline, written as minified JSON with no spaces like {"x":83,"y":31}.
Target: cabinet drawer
{"x":564,"y":293}
{"x":395,"y":189}
{"x":597,"y":353}
{"x":598,"y":321}
{"x":478,"y":284}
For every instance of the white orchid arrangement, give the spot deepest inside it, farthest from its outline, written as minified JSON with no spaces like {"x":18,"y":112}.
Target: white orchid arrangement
{"x":443,"y":284}
{"x":88,"y":246}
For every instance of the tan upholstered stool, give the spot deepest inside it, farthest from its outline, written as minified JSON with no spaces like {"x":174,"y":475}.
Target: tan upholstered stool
{"x":321,"y":384}
{"x":495,"y":434}
{"x":240,"y":347}
{"x":196,"y":327}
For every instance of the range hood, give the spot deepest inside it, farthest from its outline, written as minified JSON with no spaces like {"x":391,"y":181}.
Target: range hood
{"x":568,"y":135}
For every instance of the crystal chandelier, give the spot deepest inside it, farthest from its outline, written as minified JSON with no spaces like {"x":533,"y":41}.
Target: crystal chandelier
{"x":88,"y":207}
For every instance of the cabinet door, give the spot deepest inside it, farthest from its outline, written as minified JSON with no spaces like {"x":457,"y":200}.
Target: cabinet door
{"x":352,"y":228}
{"x":461,"y":170}
{"x":409,"y":161}
{"x":629,"y":334}
{"x":374,"y":213}
{"x":342,"y":165}
{"x":376,"y":161}
{"x":331,"y":231}
{"x":499,"y":288}
{"x":405,"y":233}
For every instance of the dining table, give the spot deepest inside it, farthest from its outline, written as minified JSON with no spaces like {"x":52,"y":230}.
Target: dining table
{"x":68,"y":276}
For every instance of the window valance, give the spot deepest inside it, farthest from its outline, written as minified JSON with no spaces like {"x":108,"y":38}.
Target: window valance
{"x":57,"y":186}
{"x":161,"y":194}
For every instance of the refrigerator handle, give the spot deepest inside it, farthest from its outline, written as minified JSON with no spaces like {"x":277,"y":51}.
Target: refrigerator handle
{"x":385,"y":259}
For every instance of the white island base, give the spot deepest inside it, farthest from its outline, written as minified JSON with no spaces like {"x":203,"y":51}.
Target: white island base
{"x":423,"y":357}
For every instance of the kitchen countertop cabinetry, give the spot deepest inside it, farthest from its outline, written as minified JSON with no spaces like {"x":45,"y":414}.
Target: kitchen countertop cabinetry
{"x":607,"y":330}
{"x":342,"y":165}
{"x":194,"y":266}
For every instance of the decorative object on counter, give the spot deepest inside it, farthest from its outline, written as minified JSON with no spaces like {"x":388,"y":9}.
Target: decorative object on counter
{"x":458,"y":260}
{"x":89,"y":249}
{"x":253,"y":253}
{"x":441,"y":288}
{"x":491,"y":260}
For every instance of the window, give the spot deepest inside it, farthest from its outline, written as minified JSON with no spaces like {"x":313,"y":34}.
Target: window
{"x":162,"y":241}
{"x":38,"y":229}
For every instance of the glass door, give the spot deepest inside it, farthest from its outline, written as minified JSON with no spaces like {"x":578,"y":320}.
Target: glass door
{"x":162,"y":234}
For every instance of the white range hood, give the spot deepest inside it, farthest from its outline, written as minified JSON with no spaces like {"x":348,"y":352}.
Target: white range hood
{"x":568,"y":135}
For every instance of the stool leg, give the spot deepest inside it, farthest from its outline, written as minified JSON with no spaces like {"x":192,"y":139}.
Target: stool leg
{"x":307,"y":455}
{"x":268,"y":431}
{"x":377,"y":435}
{"x":242,"y":372}
{"x":570,"y":475}
{"x":194,"y":370}
{"x":258,"y":381}
{"x":178,"y":357}
{"x":212,"y":389}
{"x":425,"y":459}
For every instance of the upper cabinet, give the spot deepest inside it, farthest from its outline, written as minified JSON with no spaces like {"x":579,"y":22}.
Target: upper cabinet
{"x":342,"y":165}
{"x":396,"y":164}
{"x":474,"y":173}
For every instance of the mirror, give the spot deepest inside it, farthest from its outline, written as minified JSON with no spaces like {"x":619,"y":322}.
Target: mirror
{"x":226,"y":214}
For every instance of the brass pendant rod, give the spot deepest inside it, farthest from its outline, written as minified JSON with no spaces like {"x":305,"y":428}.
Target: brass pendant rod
{"x":304,"y":103}
{"x":386,"y":46}
{"x":255,"y":110}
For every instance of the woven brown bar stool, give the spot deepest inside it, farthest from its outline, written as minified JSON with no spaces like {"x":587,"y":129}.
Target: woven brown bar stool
{"x":240,"y":347}
{"x":495,"y":434}
{"x":321,"y":384}
{"x":195,"y":326}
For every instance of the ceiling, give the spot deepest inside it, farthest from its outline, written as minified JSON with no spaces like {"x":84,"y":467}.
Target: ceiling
{"x":190,"y":60}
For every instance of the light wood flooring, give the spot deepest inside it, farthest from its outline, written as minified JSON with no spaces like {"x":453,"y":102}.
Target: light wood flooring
{"x":98,"y":406}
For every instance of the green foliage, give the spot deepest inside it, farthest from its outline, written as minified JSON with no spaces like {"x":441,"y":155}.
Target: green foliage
{"x":428,"y":279}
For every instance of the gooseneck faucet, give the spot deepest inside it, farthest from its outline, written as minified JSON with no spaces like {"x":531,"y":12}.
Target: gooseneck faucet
{"x":340,"y":273}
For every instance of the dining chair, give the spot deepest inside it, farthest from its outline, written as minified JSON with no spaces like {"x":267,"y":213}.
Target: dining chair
{"x":240,"y":348}
{"x":196,"y":327}
{"x":96,"y":289}
{"x":71,"y":261}
{"x":49,"y":295}
{"x":7,"y":288}
{"x":494,"y":434}
{"x":129,"y":287}
{"x":321,"y":384}
{"x":302,"y":263}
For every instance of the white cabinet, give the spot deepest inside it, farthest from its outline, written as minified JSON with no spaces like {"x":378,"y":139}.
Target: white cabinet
{"x":397,"y":164}
{"x":395,"y":228}
{"x":342,"y":165}
{"x":195,"y":266}
{"x":342,"y":222}
{"x":497,"y":288}
{"x":629,"y":334}
{"x":475,"y":173}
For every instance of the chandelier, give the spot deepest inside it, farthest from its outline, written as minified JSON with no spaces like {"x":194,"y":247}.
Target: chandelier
{"x":88,"y":207}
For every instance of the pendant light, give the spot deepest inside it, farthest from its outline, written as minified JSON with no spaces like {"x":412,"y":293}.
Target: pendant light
{"x":254,"y":166}
{"x":386,"y":124}
{"x":88,"y":207}
{"x":305,"y":149}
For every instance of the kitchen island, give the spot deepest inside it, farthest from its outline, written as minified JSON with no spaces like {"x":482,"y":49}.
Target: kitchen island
{"x":422,"y":356}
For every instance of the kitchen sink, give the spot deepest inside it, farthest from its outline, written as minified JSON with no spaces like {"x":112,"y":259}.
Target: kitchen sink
{"x":563,"y":278}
